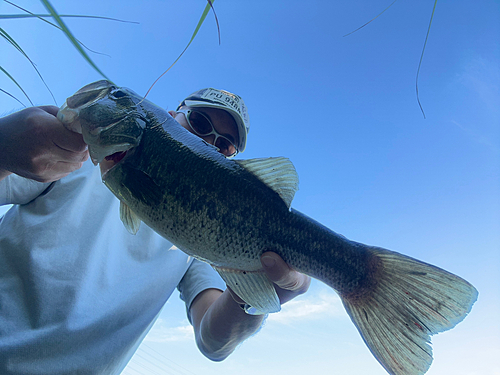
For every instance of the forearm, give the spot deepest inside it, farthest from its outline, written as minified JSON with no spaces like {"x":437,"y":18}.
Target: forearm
{"x":220,"y":324}
{"x":223,"y":326}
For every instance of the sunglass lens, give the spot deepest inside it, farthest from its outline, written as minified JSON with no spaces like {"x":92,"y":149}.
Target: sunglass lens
{"x":225,"y":146}
{"x":200,"y":123}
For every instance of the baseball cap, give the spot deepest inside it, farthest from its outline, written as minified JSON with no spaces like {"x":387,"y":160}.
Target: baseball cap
{"x":229,"y":102}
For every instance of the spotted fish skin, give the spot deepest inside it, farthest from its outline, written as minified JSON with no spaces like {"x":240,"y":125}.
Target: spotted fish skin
{"x":228,"y":212}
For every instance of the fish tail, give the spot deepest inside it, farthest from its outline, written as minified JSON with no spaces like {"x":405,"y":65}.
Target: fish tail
{"x":408,"y":301}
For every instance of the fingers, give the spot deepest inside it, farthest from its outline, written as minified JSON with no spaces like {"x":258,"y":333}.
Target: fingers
{"x":52,"y":109}
{"x":36,"y":145}
{"x":289,"y":282}
{"x":65,"y":151}
{"x":61,"y":137}
{"x":281,"y":274}
{"x":235,"y":297}
{"x":63,"y":168}
{"x":72,"y":146}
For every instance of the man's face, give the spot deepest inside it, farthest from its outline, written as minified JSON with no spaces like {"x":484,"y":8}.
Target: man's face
{"x":222,"y":122}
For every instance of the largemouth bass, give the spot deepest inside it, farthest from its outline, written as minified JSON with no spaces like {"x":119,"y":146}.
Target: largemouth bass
{"x":228,"y":212}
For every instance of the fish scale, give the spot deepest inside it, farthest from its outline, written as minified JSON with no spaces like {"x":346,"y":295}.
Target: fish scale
{"x":228,"y":212}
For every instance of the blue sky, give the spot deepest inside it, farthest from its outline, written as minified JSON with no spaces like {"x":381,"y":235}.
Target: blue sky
{"x":344,"y":110}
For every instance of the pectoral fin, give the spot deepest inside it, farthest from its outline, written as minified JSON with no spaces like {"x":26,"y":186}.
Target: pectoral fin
{"x":129,"y":219}
{"x":252,"y":287}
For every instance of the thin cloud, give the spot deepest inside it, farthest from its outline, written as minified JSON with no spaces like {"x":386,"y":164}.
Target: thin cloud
{"x":324,"y":304}
{"x":321,"y":305}
{"x":483,"y":77}
{"x":162,"y":333}
{"x":484,"y":139}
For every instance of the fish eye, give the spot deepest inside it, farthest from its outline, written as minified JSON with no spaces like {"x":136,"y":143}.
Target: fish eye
{"x":118,"y":94}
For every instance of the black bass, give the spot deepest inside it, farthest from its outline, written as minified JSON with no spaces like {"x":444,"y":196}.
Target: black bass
{"x":228,"y":212}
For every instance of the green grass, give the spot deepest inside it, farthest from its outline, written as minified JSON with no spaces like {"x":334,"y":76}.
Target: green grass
{"x":80,"y":47}
{"x":59,"y":24}
{"x":423,"y":49}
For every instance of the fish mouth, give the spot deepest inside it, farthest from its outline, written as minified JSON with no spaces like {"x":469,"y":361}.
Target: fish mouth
{"x":108,"y":119}
{"x":111,"y":161}
{"x":83,"y":98}
{"x":100,"y":149}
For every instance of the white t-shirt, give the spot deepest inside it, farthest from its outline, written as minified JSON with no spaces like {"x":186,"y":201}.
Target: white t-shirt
{"x":78,"y":293}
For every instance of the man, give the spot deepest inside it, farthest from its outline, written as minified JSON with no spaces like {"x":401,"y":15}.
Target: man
{"x":78,"y":293}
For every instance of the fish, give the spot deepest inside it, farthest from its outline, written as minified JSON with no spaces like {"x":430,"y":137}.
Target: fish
{"x":227,"y":212}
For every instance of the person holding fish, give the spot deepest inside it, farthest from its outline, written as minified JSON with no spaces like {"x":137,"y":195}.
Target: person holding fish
{"x":78,"y":292}
{"x":75,"y":285}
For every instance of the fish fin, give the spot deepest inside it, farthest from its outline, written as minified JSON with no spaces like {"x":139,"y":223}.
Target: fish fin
{"x":277,"y":173}
{"x":408,"y":302}
{"x":252,"y":287}
{"x":129,"y":218}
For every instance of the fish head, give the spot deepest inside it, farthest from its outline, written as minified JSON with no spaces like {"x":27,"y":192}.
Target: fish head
{"x":108,"y":117}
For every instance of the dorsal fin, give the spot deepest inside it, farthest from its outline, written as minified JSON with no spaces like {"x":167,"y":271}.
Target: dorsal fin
{"x":277,"y":173}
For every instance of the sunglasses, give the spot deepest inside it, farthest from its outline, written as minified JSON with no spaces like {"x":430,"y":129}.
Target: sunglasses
{"x":203,"y":127}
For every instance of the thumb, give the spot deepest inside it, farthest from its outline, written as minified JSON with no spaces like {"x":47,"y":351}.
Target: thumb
{"x":52,"y":109}
{"x":282,"y":275}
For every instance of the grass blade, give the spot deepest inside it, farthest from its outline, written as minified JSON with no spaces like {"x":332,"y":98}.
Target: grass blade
{"x":50,"y":23}
{"x":70,"y":36}
{"x":200,"y":22}
{"x":33,"y":15}
{"x":17,"y":84}
{"x":422,"y":57}
{"x":374,"y":18}
{"x":4,"y":34}
{"x":215,"y":15}
{"x":13,"y":97}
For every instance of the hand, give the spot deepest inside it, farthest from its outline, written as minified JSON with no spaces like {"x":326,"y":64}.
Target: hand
{"x":287,"y":282}
{"x":35,"y":144}
{"x":220,"y":324}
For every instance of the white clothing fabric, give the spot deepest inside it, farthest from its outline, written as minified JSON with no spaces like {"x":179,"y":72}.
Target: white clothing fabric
{"x":78,"y":293}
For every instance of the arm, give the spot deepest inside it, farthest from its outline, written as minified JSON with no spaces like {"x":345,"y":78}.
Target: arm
{"x":220,"y":324}
{"x":34,"y":144}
